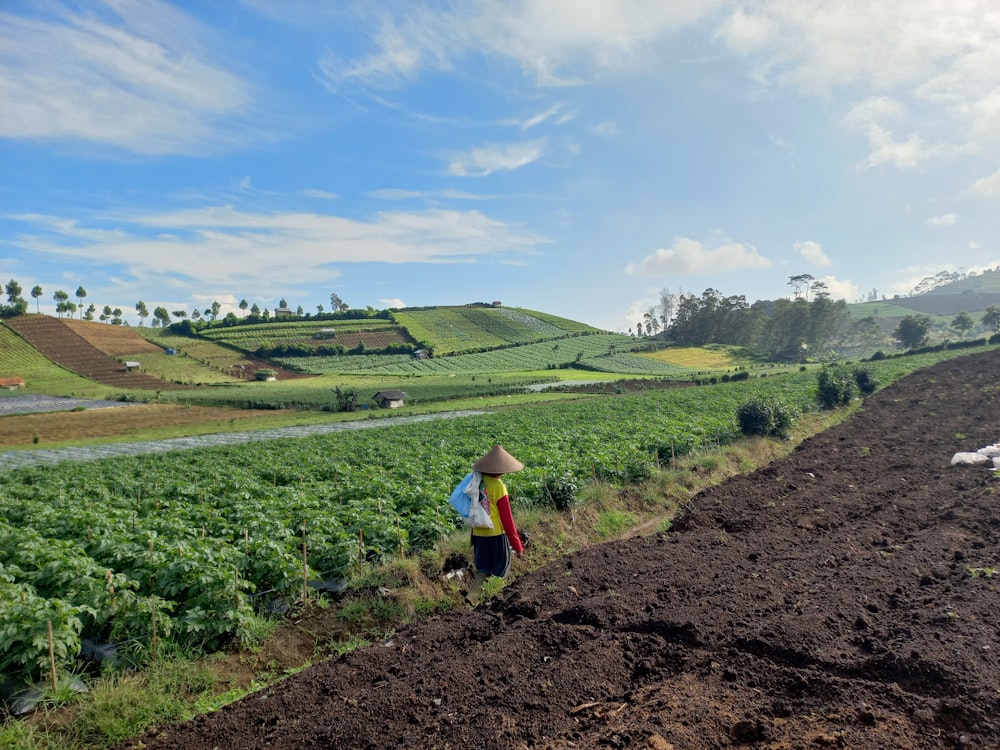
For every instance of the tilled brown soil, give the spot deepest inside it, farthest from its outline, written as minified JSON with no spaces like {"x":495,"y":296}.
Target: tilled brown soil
{"x":843,"y":597}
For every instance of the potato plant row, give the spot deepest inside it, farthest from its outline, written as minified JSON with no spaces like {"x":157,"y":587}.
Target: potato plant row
{"x":206,"y":538}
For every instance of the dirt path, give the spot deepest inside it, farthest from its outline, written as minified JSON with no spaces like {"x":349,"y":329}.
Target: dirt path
{"x":843,"y":597}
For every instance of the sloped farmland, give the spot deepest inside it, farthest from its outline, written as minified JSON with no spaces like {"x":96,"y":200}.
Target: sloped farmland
{"x":842,"y":597}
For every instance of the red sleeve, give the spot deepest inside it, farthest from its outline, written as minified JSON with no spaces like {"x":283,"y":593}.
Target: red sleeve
{"x":507,"y":520}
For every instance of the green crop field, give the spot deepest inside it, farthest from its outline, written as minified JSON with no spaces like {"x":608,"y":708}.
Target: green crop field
{"x":94,"y":547}
{"x":191,"y":544}
{"x":319,"y":393}
{"x":251,"y":337}
{"x":552,"y":354}
{"x":464,"y":329}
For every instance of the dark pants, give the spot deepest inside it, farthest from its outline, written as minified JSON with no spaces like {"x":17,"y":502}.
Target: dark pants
{"x":491,"y":554}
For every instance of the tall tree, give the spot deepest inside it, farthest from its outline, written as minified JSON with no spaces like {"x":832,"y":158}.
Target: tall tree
{"x":140,"y":307}
{"x":668,"y":300}
{"x":216,"y":307}
{"x":117,"y":313}
{"x":800,"y":284}
{"x":161,"y":316}
{"x":243,"y":306}
{"x":106,"y":314}
{"x":80,"y":294}
{"x":337,"y":303}
{"x":36,"y":292}
{"x":912,"y":331}
{"x":89,"y":313}
{"x":963,"y":323}
{"x":60,"y":298}
{"x":18,"y":305}
{"x":991,"y":318}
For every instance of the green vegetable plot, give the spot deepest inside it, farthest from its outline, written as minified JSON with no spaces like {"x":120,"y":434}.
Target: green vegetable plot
{"x":192,"y":544}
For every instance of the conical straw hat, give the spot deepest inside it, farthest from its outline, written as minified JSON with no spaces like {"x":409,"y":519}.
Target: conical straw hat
{"x":497,"y":461}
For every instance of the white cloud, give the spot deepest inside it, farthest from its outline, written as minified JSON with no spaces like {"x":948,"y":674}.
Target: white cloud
{"x":316,"y":193}
{"x":813,"y":252}
{"x":552,"y":112}
{"x":606,"y":129}
{"x":945,"y":220}
{"x":988,"y":186}
{"x":690,"y":256}
{"x":224,"y":247}
{"x":932,"y":66}
{"x":494,"y":157}
{"x":392,"y":303}
{"x":556,"y":42}
{"x":136,"y":76}
{"x":845,"y":290}
{"x":393,"y":194}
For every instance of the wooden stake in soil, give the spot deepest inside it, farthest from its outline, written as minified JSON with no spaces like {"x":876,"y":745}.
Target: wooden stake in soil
{"x":152,"y":642}
{"x":361,"y":548}
{"x":305,"y":566}
{"x":52,"y":661}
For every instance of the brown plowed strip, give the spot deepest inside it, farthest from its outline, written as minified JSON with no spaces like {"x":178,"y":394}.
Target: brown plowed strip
{"x":60,"y":427}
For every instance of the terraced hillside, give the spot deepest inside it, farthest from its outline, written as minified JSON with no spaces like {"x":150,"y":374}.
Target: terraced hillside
{"x":56,"y":340}
{"x":473,"y":328}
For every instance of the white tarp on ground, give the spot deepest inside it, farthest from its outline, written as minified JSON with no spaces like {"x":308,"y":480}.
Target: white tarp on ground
{"x":10,"y":405}
{"x":988,"y":456}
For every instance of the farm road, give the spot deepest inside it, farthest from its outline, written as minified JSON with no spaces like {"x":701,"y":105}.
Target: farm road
{"x":18,"y":459}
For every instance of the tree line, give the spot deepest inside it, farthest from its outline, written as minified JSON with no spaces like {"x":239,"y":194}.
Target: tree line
{"x":806,"y":324}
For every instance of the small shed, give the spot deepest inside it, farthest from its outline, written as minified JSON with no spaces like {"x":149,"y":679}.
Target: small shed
{"x":389,"y":399}
{"x":284,"y":312}
{"x":421,"y":354}
{"x":132,"y":366}
{"x":12,"y":383}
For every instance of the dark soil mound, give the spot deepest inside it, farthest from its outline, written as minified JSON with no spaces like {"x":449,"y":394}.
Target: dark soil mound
{"x":842,"y":597}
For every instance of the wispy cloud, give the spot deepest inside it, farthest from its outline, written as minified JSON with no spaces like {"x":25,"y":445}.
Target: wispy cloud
{"x":813,"y":252}
{"x":495,"y":157}
{"x":988,"y":186}
{"x":945,"y":220}
{"x":690,"y":256}
{"x":224,"y":247}
{"x":555,"y":42}
{"x":317,"y":193}
{"x":134,"y":76}
{"x":931,"y":67}
{"x":555,"y":112}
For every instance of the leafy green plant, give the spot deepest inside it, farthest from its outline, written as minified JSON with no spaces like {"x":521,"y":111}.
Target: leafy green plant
{"x":836,"y":386}
{"x":866,"y":381}
{"x":561,"y":491}
{"x":762,"y":415}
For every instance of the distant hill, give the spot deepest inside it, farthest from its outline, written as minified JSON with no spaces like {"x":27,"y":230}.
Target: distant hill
{"x":942,"y":296}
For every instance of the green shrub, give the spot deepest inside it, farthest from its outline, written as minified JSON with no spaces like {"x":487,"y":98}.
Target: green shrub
{"x":765,"y":416}
{"x":561,"y":491}
{"x":866,"y":381}
{"x":837,"y":386}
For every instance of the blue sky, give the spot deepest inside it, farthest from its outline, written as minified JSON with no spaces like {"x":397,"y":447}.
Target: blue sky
{"x":570,"y":156}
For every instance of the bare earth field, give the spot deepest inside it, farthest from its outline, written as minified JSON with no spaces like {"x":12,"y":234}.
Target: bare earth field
{"x":843,"y":597}
{"x":61,"y":427}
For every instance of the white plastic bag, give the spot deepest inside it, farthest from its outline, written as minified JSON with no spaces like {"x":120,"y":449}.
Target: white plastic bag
{"x":969,"y":459}
{"x":479,"y":517}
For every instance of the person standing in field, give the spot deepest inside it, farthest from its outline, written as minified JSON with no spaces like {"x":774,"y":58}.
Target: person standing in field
{"x":491,"y":548}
